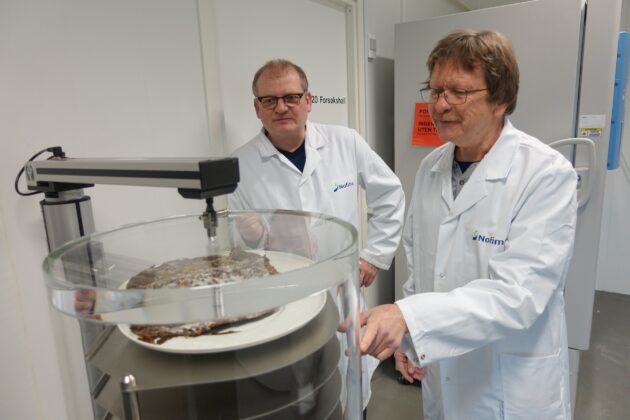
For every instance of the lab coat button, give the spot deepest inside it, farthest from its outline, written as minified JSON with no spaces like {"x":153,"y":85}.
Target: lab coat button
{"x":422,"y":357}
{"x":441,"y":275}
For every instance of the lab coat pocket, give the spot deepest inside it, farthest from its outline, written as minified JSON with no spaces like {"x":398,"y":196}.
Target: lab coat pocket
{"x":532,"y":387}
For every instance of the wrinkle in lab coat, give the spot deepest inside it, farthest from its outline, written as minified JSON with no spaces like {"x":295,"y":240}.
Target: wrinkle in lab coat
{"x":485,"y":297}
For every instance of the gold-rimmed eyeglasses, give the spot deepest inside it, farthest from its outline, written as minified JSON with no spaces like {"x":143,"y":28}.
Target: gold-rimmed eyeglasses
{"x":270,"y":102}
{"x":452,"y":96}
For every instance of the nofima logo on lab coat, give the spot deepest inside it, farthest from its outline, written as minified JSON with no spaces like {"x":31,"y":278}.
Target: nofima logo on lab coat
{"x":343,"y":186}
{"x":487,"y":239}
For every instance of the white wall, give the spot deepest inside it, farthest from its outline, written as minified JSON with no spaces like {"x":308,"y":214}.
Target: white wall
{"x":100,"y":78}
{"x":613,"y":262}
{"x":108,"y":79}
{"x":245,"y":41}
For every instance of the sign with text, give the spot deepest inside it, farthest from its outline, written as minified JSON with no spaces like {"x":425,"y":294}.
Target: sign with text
{"x":424,"y":132}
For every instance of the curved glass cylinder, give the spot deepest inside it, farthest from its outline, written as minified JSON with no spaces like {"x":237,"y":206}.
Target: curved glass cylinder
{"x":87,"y":277}
{"x":282,"y":344}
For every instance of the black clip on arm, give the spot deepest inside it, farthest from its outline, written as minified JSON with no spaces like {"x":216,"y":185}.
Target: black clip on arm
{"x":209,"y":218}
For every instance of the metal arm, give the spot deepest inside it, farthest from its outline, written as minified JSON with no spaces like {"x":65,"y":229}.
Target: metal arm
{"x":193,"y":178}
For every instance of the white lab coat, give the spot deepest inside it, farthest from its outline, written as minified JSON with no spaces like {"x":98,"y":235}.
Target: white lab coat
{"x":484,"y":301}
{"x":338,"y":161}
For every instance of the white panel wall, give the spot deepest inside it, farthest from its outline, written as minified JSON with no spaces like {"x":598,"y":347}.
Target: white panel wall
{"x":380,"y":18}
{"x":484,"y":4}
{"x":251,"y":32}
{"x":613,"y":262}
{"x":382,"y":15}
{"x":422,"y":9}
{"x":100,"y":78}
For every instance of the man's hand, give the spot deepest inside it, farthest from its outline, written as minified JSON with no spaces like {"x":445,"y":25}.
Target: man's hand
{"x":249,"y":227}
{"x":85,"y":303}
{"x":406,"y":368}
{"x":385,"y":328}
{"x":367,"y":273}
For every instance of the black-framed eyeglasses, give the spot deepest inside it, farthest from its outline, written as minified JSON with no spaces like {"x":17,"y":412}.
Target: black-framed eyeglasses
{"x":270,"y":102}
{"x":452,"y":96}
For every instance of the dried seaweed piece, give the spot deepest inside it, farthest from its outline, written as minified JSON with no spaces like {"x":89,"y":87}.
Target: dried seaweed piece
{"x":160,"y":334}
{"x":239,"y":265}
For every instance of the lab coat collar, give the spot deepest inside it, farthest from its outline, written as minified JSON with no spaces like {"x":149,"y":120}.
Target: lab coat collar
{"x":265,"y":146}
{"x":313,"y":142}
{"x":498,"y":159}
{"x":445,"y":161}
{"x":443,"y":167}
{"x":495,"y":165}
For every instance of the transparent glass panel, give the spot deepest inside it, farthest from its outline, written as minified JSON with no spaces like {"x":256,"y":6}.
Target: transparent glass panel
{"x":259,"y":321}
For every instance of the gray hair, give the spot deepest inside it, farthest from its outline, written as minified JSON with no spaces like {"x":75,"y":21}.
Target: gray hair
{"x":280,"y":64}
{"x":489,"y":50}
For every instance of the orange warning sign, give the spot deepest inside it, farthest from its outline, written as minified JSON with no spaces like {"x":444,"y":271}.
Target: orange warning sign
{"x":423,"y":132}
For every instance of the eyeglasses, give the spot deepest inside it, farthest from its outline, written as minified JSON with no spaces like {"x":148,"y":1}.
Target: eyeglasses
{"x":270,"y":102}
{"x":452,"y":96}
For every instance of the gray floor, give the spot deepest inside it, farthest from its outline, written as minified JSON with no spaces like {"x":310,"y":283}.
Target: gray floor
{"x":603,"y":384}
{"x":604,"y":381}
